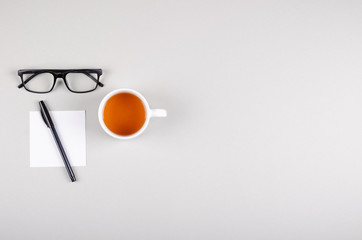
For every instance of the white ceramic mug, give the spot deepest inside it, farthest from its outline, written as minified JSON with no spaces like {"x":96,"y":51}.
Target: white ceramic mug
{"x":149,"y":113}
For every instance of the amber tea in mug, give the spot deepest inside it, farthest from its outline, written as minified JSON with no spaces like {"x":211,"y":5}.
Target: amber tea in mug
{"x":124,"y":113}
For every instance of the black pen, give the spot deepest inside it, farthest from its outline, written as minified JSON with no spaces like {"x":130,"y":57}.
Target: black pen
{"x":48,"y":121}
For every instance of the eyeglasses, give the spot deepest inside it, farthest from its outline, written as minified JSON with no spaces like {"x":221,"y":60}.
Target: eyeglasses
{"x":76,"y":80}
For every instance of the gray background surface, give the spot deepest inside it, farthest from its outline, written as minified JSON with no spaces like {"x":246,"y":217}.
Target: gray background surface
{"x":263,"y":138}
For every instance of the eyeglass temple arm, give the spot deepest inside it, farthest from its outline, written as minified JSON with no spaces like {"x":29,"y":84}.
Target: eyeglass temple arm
{"x":89,"y":75}
{"x":94,"y":79}
{"x":26,"y":81}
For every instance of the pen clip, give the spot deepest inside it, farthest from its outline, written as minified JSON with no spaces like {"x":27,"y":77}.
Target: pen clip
{"x":45,"y":114}
{"x":42,"y":115}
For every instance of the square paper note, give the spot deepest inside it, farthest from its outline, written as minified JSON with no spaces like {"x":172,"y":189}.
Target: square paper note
{"x":70,"y":126}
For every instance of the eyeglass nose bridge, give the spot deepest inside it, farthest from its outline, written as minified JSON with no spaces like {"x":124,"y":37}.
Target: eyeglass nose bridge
{"x":59,"y":75}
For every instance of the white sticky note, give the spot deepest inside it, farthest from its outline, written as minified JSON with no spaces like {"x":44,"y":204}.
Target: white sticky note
{"x":70,"y":126}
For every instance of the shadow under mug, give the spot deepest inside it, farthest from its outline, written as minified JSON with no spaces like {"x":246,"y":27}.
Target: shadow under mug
{"x":149,"y":113}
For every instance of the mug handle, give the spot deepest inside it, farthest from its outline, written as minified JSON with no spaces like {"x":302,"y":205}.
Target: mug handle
{"x":158,"y":113}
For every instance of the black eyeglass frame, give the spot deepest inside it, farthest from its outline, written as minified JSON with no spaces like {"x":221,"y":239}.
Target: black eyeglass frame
{"x":60,"y":73}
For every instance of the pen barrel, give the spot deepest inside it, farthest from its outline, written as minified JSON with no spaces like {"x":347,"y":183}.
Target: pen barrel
{"x":64,"y":155}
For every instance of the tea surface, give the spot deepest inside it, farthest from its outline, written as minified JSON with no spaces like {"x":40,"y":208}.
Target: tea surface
{"x":124,"y":114}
